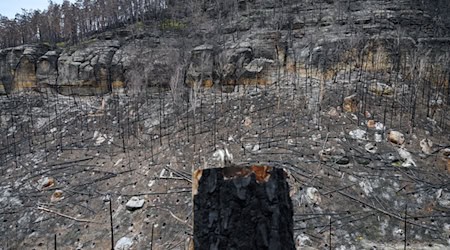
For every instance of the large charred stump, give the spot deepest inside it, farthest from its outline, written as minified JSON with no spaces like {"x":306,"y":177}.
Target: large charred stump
{"x":242,"y":208}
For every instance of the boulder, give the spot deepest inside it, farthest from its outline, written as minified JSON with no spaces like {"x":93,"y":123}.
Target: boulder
{"x":396,"y":137}
{"x":135,"y":203}
{"x":58,"y":195}
{"x":124,"y":243}
{"x":426,"y":145}
{"x":371,"y":124}
{"x":312,"y":196}
{"x":371,"y":147}
{"x":406,"y":158}
{"x":350,"y":104}
{"x":46,"y":182}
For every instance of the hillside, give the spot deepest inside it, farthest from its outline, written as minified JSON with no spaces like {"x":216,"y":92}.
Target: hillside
{"x":351,"y":98}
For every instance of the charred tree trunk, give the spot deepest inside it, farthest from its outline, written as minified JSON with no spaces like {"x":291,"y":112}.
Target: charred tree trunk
{"x":242,"y":208}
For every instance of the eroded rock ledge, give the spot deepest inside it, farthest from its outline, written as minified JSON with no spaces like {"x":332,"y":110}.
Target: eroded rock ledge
{"x":261,"y":41}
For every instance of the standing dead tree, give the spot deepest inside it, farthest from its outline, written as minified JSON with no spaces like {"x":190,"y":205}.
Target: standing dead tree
{"x":242,"y":208}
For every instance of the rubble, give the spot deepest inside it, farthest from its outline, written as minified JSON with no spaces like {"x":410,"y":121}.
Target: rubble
{"x":358,"y":134}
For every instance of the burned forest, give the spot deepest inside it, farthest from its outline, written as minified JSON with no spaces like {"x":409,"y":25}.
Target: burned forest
{"x":108,"y":114}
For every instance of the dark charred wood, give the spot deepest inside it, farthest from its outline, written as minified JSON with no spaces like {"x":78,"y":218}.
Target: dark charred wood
{"x":250,"y":209}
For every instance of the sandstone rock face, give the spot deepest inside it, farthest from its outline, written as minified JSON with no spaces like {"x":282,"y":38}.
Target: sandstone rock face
{"x":46,"y":71}
{"x":87,"y":71}
{"x":18,"y":67}
{"x":264,"y":41}
{"x":150,"y":61}
{"x":200,"y":70}
{"x":240,"y":63}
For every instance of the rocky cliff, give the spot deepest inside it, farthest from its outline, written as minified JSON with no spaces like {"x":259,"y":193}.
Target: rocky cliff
{"x":249,"y":44}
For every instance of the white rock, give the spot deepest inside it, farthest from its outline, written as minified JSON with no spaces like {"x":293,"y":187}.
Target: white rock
{"x":118,"y":162}
{"x":313,"y":196}
{"x":366,"y":187}
{"x":163,"y":173}
{"x":371,"y":148}
{"x":378,"y":137}
{"x":302,"y":240}
{"x":46,"y":182}
{"x":124,"y":243}
{"x":358,"y":134}
{"x":101,"y":139}
{"x":426,"y":145}
{"x":96,"y":133}
{"x":443,"y":198}
{"x":135,"y":203}
{"x":352,"y":178}
{"x":407,"y":157}
{"x":316,"y":137}
{"x":379,"y":126}
{"x":223,"y":156}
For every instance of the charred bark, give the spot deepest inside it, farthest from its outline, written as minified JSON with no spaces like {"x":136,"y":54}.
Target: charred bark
{"x":242,"y":208}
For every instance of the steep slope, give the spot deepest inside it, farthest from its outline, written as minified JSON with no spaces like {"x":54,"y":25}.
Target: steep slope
{"x":319,"y":88}
{"x":328,"y":35}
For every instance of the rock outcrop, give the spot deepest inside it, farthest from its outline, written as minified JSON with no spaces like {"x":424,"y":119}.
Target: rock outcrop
{"x":87,"y":70}
{"x":263,"y":40}
{"x":18,"y":67}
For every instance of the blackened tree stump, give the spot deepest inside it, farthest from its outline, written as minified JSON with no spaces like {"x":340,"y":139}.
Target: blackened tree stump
{"x":242,"y":208}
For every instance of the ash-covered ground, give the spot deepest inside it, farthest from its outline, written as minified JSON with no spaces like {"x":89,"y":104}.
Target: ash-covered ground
{"x":376,"y":177}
